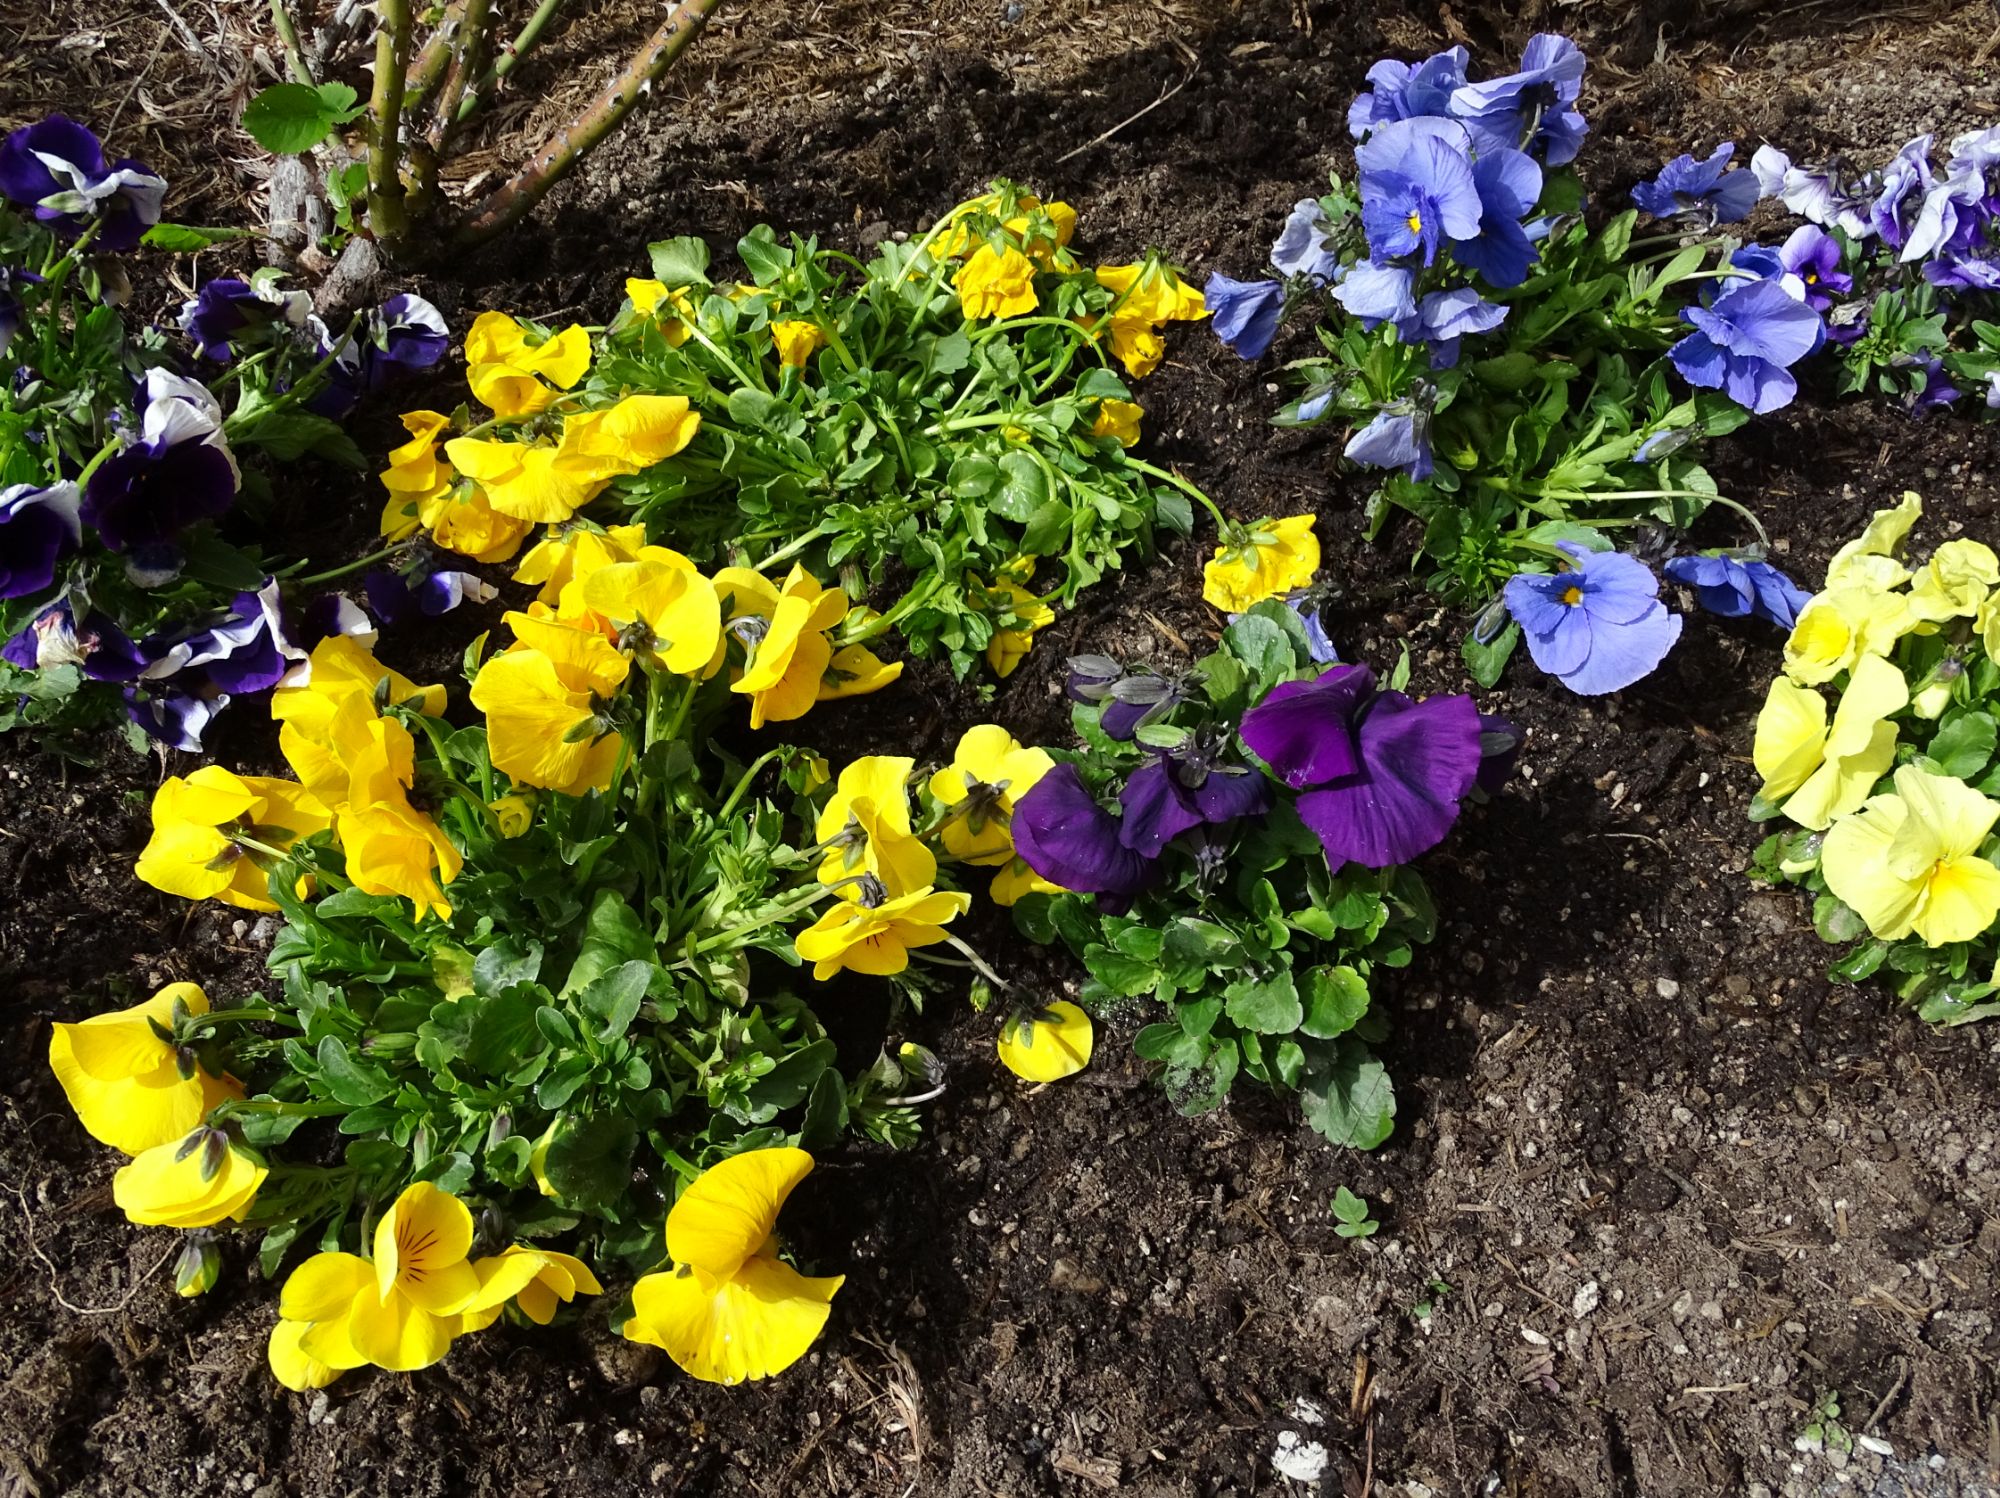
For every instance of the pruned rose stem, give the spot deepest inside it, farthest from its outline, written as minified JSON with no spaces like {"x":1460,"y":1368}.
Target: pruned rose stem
{"x":288,"y":33}
{"x":553,"y":161}
{"x":386,"y":208}
{"x":508,"y":60}
{"x":468,"y":56}
{"x":435,"y":56}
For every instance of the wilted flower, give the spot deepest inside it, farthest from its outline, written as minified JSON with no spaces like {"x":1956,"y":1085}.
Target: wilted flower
{"x":1444,"y":317}
{"x":57,"y":169}
{"x":1119,"y":419}
{"x":397,"y":599}
{"x":1906,"y":182}
{"x":1046,"y":1043}
{"x":1397,"y":437}
{"x":1417,"y":188}
{"x":1908,"y":862}
{"x":1532,"y":110}
{"x":194,"y":1182}
{"x":1270,"y":558}
{"x":1381,"y":775}
{"x":558,"y":1278}
{"x":1065,"y":836}
{"x":1687,"y":186}
{"x":1401,"y":90}
{"x":796,"y":340}
{"x":730,"y":1309}
{"x":1598,"y":626}
{"x":1817,"y":196}
{"x":127,"y":1084}
{"x":39,"y":526}
{"x":217,"y":834}
{"x":95,"y":645}
{"x":1246,"y":313}
{"x":1732,"y":587}
{"x":1304,"y":246}
{"x":1745,"y":344}
{"x":1150,"y":296}
{"x":1377,"y":293}
{"x":1010,"y":644}
{"x":227,"y":314}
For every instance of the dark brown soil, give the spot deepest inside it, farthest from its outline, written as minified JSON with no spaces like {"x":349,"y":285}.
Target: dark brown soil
{"x":1660,"y":1184}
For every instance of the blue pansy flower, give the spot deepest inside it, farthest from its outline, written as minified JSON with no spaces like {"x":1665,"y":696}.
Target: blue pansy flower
{"x":1687,"y":186}
{"x":1398,"y":437}
{"x":1951,"y":218}
{"x":1597,"y":627}
{"x":1509,"y":185}
{"x":1733,"y":588}
{"x":1304,"y":247}
{"x":1532,"y":110}
{"x":1401,"y":90}
{"x":1745,"y":344}
{"x":1417,"y":188}
{"x":1906,"y":182}
{"x":1813,"y":255}
{"x":1378,"y":293}
{"x":1244,"y":314}
{"x":1444,"y":317}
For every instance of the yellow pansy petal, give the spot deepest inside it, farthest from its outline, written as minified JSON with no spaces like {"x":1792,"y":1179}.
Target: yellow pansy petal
{"x":1049,"y":1046}
{"x":292,"y":1366}
{"x":324,"y":1286}
{"x":397,"y":1334}
{"x":728,"y":1212}
{"x":425,"y":1230}
{"x":1883,"y":537}
{"x":1957,"y":817}
{"x":1855,"y":863}
{"x":1961,"y":901}
{"x":796,"y":341}
{"x":744,"y":1329}
{"x":163,"y":1188}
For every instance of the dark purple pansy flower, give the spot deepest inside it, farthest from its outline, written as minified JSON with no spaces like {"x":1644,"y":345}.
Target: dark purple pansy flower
{"x":245,"y":652}
{"x":173,"y":716}
{"x":1937,"y":390}
{"x":1956,"y":274}
{"x":1401,"y":90}
{"x":1062,"y":834}
{"x":227,"y":314}
{"x":405,"y":334}
{"x":333,"y":614}
{"x":1381,"y":775}
{"x":1731,"y":587}
{"x":1702,"y":188}
{"x":1244,"y":314}
{"x":1417,"y":188}
{"x":1745,"y":344}
{"x":1509,"y":184}
{"x":1187,"y":787}
{"x":1304,"y":245}
{"x":396,"y":599}
{"x":1533,"y":110}
{"x":38,"y":528}
{"x":1906,"y":182}
{"x":98,"y":647}
{"x":1813,"y":255}
{"x":11,"y":311}
{"x":57,"y":169}
{"x":178,"y":472}
{"x":1599,"y":626}
{"x":1136,"y":700}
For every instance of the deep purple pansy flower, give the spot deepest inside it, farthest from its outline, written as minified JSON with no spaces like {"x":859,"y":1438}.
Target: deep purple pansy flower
{"x":38,"y":528}
{"x":1417,"y":188}
{"x":1381,"y":775}
{"x":247,"y":651}
{"x":1703,"y":188}
{"x":57,"y":169}
{"x":97,"y":646}
{"x":1745,"y":344}
{"x":1937,"y":390}
{"x":1813,"y":255}
{"x":1244,"y":313}
{"x":1734,"y":588}
{"x":1189,"y":786}
{"x":1509,"y":184}
{"x":1062,"y":834}
{"x":1499,"y":751}
{"x":172,"y":715}
{"x":1401,"y":90}
{"x":177,"y":472}
{"x":1136,"y":700}
{"x":1304,"y":246}
{"x":12,"y":277}
{"x":1597,"y":627}
{"x":1533,"y":110}
{"x":396,"y":599}
{"x":227,"y":314}
{"x":333,"y":614}
{"x":403,"y":335}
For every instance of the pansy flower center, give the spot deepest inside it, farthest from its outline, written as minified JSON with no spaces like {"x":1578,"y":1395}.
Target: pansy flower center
{"x":1572,"y":595}
{"x":1415,"y":221}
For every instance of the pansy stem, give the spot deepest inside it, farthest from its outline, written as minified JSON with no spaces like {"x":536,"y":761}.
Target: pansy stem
{"x":1222,"y":522}
{"x":342,"y":571}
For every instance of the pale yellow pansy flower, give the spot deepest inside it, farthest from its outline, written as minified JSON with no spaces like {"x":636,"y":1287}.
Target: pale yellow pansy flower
{"x":1908,"y":862}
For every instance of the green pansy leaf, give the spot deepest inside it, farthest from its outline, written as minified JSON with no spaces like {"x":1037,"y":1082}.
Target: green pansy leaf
{"x":1336,"y":998}
{"x":1347,"y":1096}
{"x":614,"y":999}
{"x":1268,"y":1005}
{"x":682,"y":261}
{"x":1487,"y":661}
{"x":1964,"y":744}
{"x":589,"y":1162}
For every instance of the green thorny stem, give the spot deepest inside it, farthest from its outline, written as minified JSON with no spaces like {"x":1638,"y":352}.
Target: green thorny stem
{"x":288,"y":34}
{"x":554,"y":159}
{"x":387,"y":210}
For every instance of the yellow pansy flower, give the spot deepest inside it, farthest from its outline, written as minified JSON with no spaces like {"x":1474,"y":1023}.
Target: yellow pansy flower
{"x":1120,"y":419}
{"x":1279,"y":557}
{"x":647,"y":294}
{"x":789,"y":656}
{"x":989,"y":772}
{"x":291,"y":1364}
{"x":1839,"y":626}
{"x":796,"y":340}
{"x":339,"y":668}
{"x":538,"y":694}
{"x":1955,"y":583}
{"x":1871,"y":559}
{"x":1016,"y":879}
{"x":400,"y":1311}
{"x":546,"y":1280}
{"x":874,"y":935}
{"x":1049,"y":1045}
{"x":390,"y":847}
{"x":996,"y":283}
{"x":125,"y":1083}
{"x":730,"y":1309}
{"x":506,"y":371}
{"x":866,"y":825}
{"x":532,"y":483}
{"x":671,"y":610}
{"x":1151,"y":292}
{"x":631,"y":434}
{"x":1908,"y":861}
{"x":855,"y":671}
{"x":188,"y":1183}
{"x":463,"y":520}
{"x":1010,"y":644}
{"x":415,"y":474}
{"x":576,"y":550}
{"x":1823,"y":774}
{"x":513,"y":814}
{"x":202,"y":826}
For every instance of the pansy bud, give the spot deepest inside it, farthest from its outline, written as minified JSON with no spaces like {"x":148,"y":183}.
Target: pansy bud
{"x":199,"y":1266}
{"x":1091,"y":677}
{"x":1492,"y":619}
{"x":921,"y":1064}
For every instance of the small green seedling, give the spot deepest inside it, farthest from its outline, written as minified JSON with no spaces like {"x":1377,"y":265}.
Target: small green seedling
{"x":1425,"y":1308}
{"x":1823,"y":1430}
{"x":1352,"y":1219}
